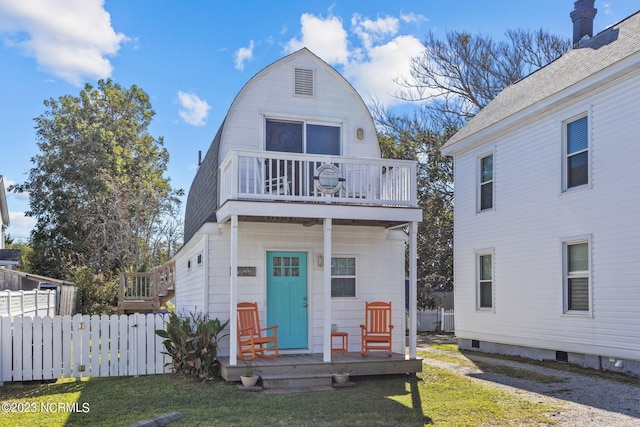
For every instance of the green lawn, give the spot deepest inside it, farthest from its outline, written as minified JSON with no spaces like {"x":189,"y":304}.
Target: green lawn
{"x":435,"y":396}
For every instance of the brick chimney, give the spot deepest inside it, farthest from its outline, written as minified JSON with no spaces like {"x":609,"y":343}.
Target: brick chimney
{"x":582,"y":18}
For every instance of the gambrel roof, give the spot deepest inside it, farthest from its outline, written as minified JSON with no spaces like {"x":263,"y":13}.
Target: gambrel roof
{"x":608,"y":55}
{"x":202,"y":199}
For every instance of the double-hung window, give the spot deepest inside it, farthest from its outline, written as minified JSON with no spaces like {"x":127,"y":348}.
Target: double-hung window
{"x":343,"y":277}
{"x":484,"y":286}
{"x":576,"y":153}
{"x":485,"y":182}
{"x":576,"y":276}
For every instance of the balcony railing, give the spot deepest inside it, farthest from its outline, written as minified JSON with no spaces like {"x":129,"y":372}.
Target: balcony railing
{"x":266,"y":175}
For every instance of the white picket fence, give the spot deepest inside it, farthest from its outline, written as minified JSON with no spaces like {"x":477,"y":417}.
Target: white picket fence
{"x":436,"y":320}
{"x":81,"y":346}
{"x":447,"y":320}
{"x":27,"y":303}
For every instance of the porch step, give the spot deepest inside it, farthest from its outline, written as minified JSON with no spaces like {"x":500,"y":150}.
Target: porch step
{"x":297,"y":381}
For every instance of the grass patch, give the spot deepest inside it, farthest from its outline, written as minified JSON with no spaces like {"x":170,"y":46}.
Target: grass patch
{"x":435,"y":396}
{"x":522,"y":374}
{"x":445,"y":347}
{"x":453,"y":358}
{"x":560,"y":366}
{"x":460,"y":359}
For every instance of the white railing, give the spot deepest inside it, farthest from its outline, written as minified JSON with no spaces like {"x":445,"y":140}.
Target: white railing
{"x":447,"y":320}
{"x":267,"y":175}
{"x":27,"y":303}
{"x":436,"y":320}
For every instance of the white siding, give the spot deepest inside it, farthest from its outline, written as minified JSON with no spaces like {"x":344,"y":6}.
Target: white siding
{"x":379,"y":257}
{"x":270,"y":94}
{"x":531,"y":218}
{"x":189,"y":281}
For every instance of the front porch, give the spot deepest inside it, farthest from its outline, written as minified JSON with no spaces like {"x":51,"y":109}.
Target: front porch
{"x":295,"y":371}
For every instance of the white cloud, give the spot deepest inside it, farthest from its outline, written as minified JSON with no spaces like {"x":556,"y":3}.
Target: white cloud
{"x":68,"y":38}
{"x":371,"y":32}
{"x":375,"y":75}
{"x":21,"y":225}
{"x":243,"y":55}
{"x":193,"y":110}
{"x":372,"y":66}
{"x":413,"y":18}
{"x":326,"y":37}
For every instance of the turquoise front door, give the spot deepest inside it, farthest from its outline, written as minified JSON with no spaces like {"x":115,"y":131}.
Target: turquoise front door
{"x":287,"y":297}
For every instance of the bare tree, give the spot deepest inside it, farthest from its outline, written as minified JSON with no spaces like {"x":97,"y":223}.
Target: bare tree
{"x":460,"y":75}
{"x":452,"y":80}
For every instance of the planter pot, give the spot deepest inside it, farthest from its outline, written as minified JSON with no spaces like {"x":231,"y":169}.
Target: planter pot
{"x":249,"y":381}
{"x":341,"y":378}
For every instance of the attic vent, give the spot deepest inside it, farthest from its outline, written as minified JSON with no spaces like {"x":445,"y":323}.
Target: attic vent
{"x":303,"y":82}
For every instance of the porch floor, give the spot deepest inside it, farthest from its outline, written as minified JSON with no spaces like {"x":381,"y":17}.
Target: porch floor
{"x":297,"y":365}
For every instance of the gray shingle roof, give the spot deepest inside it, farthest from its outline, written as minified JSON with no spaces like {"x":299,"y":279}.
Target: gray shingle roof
{"x":202,"y":200}
{"x":592,"y":56}
{"x":11,"y":255}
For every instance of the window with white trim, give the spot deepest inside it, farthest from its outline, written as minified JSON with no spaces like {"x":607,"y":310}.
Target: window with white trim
{"x":302,"y":137}
{"x":577,"y":289}
{"x":485,"y":182}
{"x":484,"y":274}
{"x":576,"y":153}
{"x":343,"y":277}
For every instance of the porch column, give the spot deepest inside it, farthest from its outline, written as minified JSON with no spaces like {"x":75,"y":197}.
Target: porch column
{"x":413,"y":289}
{"x":233,"y":293}
{"x":327,"y":290}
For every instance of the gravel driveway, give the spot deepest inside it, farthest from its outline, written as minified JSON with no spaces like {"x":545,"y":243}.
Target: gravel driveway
{"x":586,"y":399}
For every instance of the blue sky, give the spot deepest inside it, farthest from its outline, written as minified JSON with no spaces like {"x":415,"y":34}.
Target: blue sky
{"x":192,"y":57}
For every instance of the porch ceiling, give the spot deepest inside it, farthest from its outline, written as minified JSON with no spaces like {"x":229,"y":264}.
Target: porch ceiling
{"x":313,"y":213}
{"x":308,"y":222}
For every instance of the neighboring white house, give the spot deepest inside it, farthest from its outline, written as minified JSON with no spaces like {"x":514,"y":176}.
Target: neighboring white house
{"x":547,"y":208}
{"x":4,"y":213}
{"x":293,"y":208}
{"x":9,"y":258}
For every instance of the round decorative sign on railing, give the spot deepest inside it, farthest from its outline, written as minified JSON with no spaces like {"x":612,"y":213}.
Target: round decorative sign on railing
{"x":328,"y":179}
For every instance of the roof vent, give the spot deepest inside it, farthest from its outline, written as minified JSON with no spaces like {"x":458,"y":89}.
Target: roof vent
{"x":582,"y":18}
{"x":303,"y":82}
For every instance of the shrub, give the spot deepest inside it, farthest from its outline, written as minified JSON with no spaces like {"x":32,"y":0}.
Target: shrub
{"x":192,"y":342}
{"x":97,"y":293}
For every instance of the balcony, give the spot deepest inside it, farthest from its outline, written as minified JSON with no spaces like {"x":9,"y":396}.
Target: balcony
{"x":275,"y":176}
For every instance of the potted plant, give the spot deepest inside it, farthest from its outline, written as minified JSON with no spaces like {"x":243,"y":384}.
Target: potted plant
{"x":342,"y":376}
{"x":249,"y":379}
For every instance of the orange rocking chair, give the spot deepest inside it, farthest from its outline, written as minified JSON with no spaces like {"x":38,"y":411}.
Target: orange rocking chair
{"x":376,"y":334}
{"x":252,"y":339}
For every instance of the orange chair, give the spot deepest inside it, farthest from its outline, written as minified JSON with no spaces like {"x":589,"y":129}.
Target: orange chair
{"x":376,"y":334}
{"x":252,"y":339}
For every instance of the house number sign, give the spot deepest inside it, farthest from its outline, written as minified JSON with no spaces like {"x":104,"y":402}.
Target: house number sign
{"x":328,"y":179}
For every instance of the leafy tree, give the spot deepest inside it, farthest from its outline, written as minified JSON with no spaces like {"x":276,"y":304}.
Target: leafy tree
{"x":25,"y":254}
{"x":413,"y":138}
{"x":97,"y":188}
{"x":452,"y":80}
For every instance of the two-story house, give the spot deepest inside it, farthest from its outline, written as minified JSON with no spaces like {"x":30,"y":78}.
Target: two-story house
{"x":292,"y":207}
{"x":547,"y":208}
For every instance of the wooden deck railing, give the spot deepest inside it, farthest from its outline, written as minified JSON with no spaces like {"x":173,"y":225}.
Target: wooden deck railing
{"x":147,"y":291}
